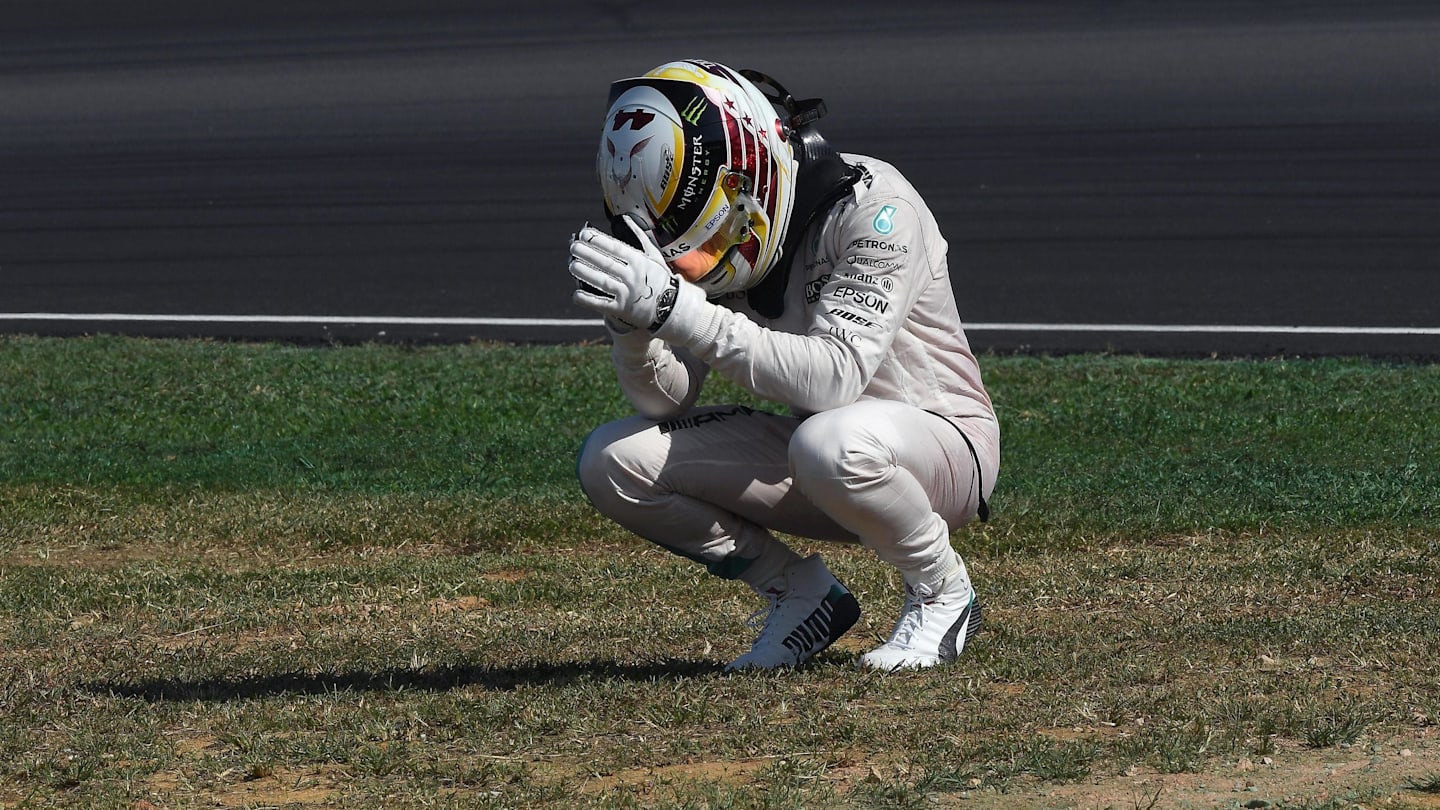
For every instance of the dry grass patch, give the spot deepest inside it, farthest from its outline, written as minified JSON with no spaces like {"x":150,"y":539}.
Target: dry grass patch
{"x":370,"y":677}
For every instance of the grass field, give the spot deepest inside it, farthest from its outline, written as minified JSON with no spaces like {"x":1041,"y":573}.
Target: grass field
{"x":239,"y":575}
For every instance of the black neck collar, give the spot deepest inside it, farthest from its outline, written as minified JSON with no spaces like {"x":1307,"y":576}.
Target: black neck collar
{"x":822,"y":180}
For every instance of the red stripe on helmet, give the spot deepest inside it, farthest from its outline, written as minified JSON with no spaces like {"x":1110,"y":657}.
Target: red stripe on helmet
{"x":764,"y":173}
{"x":735,"y":136}
{"x":750,"y":249}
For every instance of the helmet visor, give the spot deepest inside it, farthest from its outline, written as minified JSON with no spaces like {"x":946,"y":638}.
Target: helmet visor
{"x":696,"y":142}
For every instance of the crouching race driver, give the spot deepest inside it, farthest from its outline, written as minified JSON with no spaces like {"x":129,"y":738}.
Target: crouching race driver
{"x":742,"y":244}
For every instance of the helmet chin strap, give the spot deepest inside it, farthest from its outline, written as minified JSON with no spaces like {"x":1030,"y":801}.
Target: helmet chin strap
{"x":822,"y":178}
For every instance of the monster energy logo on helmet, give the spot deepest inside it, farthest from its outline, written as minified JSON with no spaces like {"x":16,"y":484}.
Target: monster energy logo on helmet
{"x":694,"y":110}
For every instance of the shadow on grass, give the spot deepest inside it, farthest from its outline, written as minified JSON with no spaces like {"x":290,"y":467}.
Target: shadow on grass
{"x":398,"y":680}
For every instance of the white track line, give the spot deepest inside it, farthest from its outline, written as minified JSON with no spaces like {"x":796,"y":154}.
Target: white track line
{"x":126,"y":317}
{"x":1231,"y":329}
{"x":585,"y":323}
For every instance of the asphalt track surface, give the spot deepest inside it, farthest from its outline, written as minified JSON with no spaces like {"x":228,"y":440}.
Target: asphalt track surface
{"x":1161,"y":177}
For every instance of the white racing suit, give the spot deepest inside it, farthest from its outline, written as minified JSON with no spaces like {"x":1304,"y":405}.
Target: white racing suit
{"x":871,"y":358}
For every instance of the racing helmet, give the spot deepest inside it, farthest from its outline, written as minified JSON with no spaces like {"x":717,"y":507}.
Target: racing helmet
{"x":698,"y":154}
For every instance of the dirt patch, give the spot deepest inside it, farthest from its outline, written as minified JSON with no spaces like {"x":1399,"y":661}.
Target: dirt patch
{"x":459,"y":604}
{"x":82,"y":557}
{"x":281,"y":788}
{"x":1371,"y":775}
{"x":253,"y":787}
{"x":200,"y":745}
{"x":646,"y":779}
{"x":505,"y":575}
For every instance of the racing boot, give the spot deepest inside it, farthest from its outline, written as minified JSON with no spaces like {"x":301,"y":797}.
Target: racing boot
{"x":808,"y":610}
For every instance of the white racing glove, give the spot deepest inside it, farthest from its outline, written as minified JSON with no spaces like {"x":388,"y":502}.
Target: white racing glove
{"x":630,"y":287}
